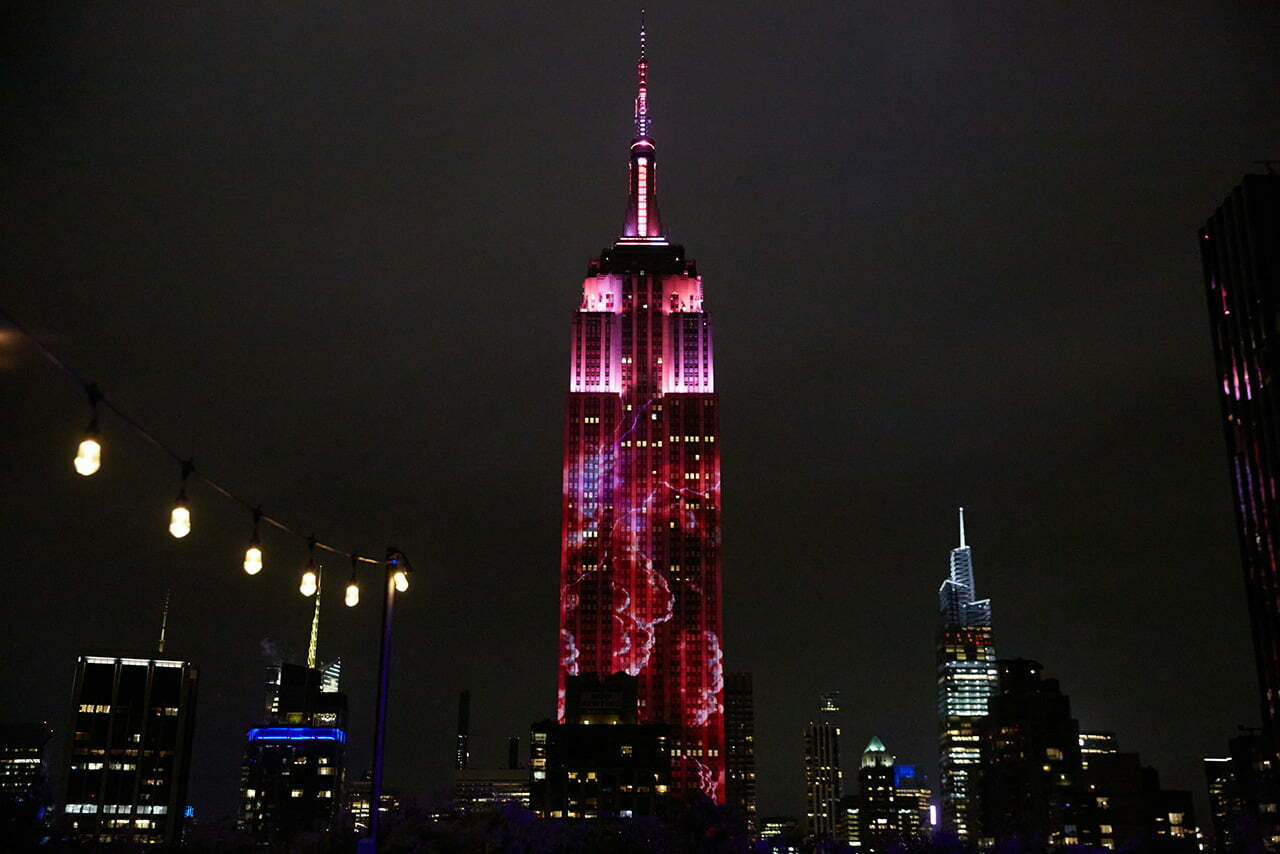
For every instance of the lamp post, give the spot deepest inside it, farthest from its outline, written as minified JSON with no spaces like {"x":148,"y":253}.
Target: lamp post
{"x":397,"y":569}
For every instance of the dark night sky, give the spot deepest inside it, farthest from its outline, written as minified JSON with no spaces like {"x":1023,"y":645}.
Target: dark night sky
{"x":949,"y":251}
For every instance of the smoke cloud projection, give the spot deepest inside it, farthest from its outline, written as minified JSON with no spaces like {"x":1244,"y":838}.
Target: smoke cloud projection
{"x":640,"y":572}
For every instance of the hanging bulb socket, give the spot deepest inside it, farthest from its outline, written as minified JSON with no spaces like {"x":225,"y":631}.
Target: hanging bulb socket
{"x":89,"y":453}
{"x":253,"y":554}
{"x":180,"y":516}
{"x":310,"y":576}
{"x":352,"y":598}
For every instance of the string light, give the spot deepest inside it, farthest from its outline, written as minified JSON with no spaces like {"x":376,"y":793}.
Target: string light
{"x":253,"y":554}
{"x":353,"y":589}
{"x":89,"y":454}
{"x":88,"y":461}
{"x":310,"y":576}
{"x":180,"y":516}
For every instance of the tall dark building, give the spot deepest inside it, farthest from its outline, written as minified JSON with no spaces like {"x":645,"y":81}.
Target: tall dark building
{"x":1240,"y":251}
{"x":1033,"y":784}
{"x":640,"y":538}
{"x":600,"y":762}
{"x":1244,"y":796}
{"x":1125,"y":808}
{"x":739,"y":746}
{"x":823,"y":777}
{"x":292,"y":775}
{"x":462,"y":751}
{"x":129,"y":750}
{"x":967,"y":676}
{"x":1029,"y":784}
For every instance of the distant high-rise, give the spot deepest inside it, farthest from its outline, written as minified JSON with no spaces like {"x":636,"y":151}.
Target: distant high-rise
{"x":22,"y":756}
{"x":967,"y":677}
{"x":640,"y":541}
{"x":25,"y":789}
{"x":892,"y":807}
{"x":129,"y":751}
{"x":462,"y":750}
{"x":1240,"y":252}
{"x":877,"y":811}
{"x":823,"y":777}
{"x":739,"y":746}
{"x":293,"y":770}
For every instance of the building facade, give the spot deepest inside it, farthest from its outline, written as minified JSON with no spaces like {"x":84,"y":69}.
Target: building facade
{"x":479,"y":789}
{"x":1094,"y":743}
{"x":1244,"y":796}
{"x":1240,"y":254}
{"x":823,"y":776}
{"x":26,"y":793}
{"x":601,"y":762}
{"x":294,"y":767}
{"x":967,"y":678}
{"x":740,"y":748}
{"x":640,"y":560}
{"x":893,"y":806}
{"x":129,"y":750}
{"x":1028,"y":781}
{"x":22,"y":758}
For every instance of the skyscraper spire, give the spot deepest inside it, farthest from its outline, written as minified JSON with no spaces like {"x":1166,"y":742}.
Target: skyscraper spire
{"x":315,"y":628}
{"x":962,"y":543}
{"x":643,"y":225}
{"x":642,"y":87}
{"x":164,"y":619}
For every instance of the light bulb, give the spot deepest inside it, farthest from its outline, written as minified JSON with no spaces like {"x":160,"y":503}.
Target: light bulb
{"x":180,"y":520}
{"x":253,"y":560}
{"x":353,"y":595}
{"x":401,"y":579}
{"x":88,"y":456}
{"x":308,"y":585}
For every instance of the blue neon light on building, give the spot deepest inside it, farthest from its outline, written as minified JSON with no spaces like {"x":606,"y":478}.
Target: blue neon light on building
{"x":297,"y":733}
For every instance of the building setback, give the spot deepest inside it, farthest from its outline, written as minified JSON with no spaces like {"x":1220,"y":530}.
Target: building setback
{"x":640,"y":559}
{"x":128,"y":753}
{"x":1240,"y":255}
{"x":966,"y":680}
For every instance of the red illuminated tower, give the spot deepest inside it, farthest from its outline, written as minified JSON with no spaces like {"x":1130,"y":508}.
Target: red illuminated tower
{"x":640,"y":557}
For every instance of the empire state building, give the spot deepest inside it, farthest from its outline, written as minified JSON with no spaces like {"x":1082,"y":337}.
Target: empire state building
{"x":640,"y":540}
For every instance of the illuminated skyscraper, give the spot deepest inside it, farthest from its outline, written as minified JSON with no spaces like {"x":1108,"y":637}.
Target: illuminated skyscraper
{"x":292,"y":774}
{"x":640,"y":561}
{"x":823,"y":778}
{"x":1240,"y":251}
{"x":967,"y":676}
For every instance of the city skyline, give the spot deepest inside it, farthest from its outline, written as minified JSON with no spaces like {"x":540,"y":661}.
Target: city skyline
{"x":339,"y":277}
